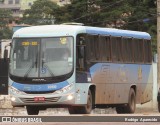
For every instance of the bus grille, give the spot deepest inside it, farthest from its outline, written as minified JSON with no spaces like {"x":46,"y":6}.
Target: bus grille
{"x":47,"y":100}
{"x":39,"y":92}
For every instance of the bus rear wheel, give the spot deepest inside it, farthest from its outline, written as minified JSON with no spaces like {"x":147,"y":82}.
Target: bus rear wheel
{"x":32,"y":110}
{"x":82,"y":109}
{"x":131,"y":106}
{"x":120,"y":109}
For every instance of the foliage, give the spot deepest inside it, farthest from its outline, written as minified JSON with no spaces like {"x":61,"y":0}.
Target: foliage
{"x":41,"y":12}
{"x":6,"y":33}
{"x":139,"y":15}
{"x":5,"y":16}
{"x":143,"y":18}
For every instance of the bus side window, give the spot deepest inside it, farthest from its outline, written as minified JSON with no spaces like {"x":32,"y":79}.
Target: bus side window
{"x":80,"y":53}
{"x":116,"y":49}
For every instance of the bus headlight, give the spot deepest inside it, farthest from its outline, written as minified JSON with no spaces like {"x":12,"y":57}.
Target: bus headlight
{"x":16,"y":91}
{"x":65,"y":89}
{"x":70,"y":97}
{"x":13,"y":99}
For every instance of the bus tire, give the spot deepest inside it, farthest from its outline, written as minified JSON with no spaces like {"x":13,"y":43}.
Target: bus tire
{"x":72,"y":110}
{"x":120,"y":109}
{"x":83,"y":109}
{"x":131,"y":106}
{"x":88,"y":107}
{"x":32,"y":110}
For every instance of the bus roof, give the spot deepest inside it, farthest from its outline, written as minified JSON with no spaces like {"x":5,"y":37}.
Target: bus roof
{"x":70,"y":30}
{"x":118,"y":32}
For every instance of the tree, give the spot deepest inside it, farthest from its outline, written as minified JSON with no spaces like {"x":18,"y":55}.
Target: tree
{"x":143,"y":18}
{"x":77,"y":9}
{"x":97,"y":12}
{"x":41,"y":12}
{"x":5,"y":16}
{"x":139,"y":15}
{"x":62,"y":14}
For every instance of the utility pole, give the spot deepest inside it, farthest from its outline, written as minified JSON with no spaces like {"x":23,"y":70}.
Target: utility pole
{"x":158,"y":42}
{"x":158,"y":51}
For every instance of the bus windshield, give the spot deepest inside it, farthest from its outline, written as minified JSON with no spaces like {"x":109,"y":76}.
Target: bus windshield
{"x":41,"y":57}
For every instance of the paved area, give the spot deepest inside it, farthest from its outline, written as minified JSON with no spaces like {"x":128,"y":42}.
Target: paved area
{"x":7,"y":109}
{"x":147,"y":109}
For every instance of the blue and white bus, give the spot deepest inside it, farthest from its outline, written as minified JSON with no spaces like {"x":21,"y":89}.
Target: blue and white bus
{"x":80,"y":68}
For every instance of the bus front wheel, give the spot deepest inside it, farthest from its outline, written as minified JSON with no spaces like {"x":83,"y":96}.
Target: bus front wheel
{"x":32,"y":110}
{"x":82,"y":109}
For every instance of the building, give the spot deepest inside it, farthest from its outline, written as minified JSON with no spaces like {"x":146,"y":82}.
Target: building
{"x":13,"y":5}
{"x":62,"y":2}
{"x":19,"y":6}
{"x":26,"y":4}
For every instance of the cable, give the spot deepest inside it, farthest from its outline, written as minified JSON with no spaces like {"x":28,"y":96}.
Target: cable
{"x":140,"y":20}
{"x":97,"y":11}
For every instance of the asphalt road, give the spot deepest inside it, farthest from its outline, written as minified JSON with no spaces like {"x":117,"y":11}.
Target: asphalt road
{"x":147,"y":109}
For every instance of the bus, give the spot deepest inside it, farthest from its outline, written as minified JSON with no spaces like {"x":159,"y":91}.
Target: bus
{"x":80,"y":68}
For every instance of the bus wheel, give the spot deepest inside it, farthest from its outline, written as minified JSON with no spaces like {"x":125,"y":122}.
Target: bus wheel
{"x":131,"y":106}
{"x":72,"y":110}
{"x":88,"y":107}
{"x":83,"y":109}
{"x":120,"y":109}
{"x":32,"y":110}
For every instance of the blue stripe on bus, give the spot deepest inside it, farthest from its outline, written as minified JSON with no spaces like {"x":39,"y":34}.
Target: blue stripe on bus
{"x":118,"y":33}
{"x":130,"y":70}
{"x":39,"y":87}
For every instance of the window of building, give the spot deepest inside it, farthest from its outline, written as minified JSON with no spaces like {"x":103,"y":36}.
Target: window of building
{"x":1,"y":1}
{"x":10,"y":1}
{"x":17,"y":2}
{"x":29,"y":4}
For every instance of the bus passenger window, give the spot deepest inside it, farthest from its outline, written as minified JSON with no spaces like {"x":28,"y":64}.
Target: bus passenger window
{"x":116,"y":49}
{"x":147,"y":52}
{"x":80,"y":53}
{"x":105,"y":48}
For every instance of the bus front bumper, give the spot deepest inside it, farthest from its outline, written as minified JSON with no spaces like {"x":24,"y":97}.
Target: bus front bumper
{"x":49,"y":99}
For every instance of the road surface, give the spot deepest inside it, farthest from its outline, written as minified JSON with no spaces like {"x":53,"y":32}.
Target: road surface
{"x":147,"y":109}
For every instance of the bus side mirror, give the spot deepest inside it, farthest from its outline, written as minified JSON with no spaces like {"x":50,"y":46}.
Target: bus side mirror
{"x":5,"y":54}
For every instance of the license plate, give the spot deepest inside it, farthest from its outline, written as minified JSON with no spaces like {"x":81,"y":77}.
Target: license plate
{"x":39,"y":99}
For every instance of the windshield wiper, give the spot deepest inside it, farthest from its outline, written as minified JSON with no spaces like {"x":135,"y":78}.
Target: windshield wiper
{"x":48,"y":69}
{"x":35,"y":63}
{"x":45,"y":65}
